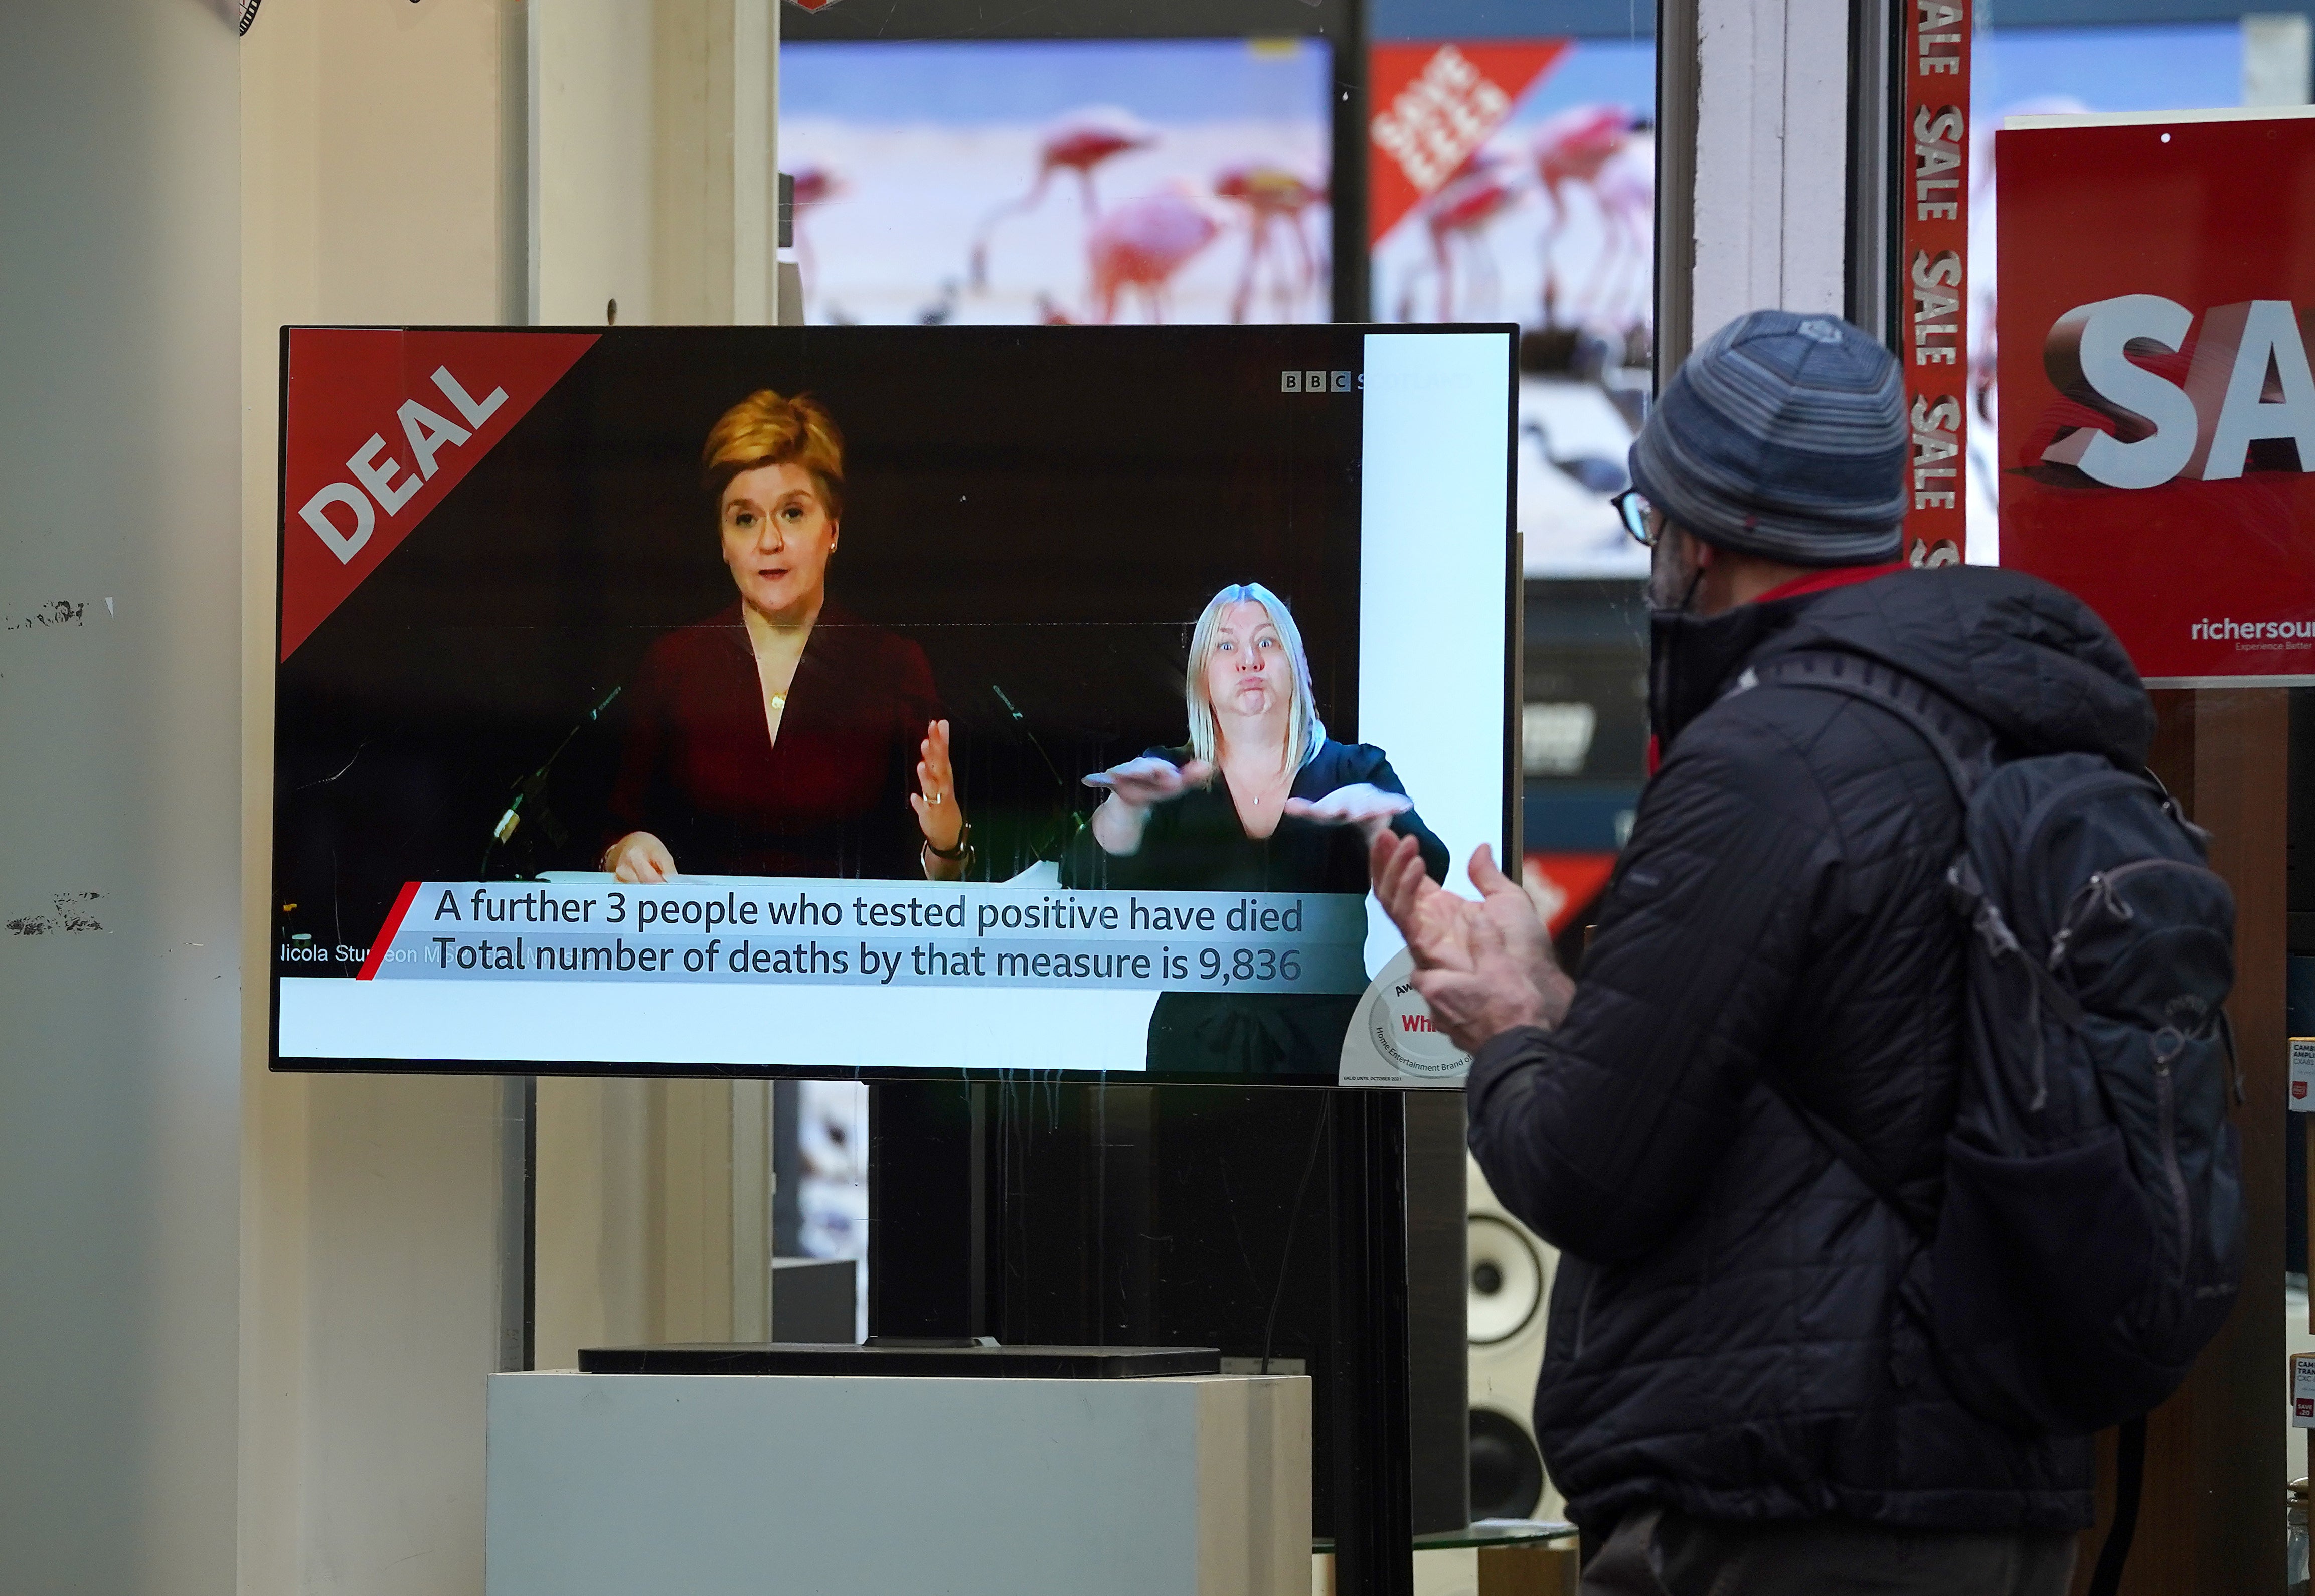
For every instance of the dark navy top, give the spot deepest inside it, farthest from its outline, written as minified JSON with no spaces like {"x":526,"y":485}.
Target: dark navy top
{"x":1196,"y":842}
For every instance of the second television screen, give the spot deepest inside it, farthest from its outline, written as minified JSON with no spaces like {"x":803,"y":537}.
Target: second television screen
{"x":876,"y":701}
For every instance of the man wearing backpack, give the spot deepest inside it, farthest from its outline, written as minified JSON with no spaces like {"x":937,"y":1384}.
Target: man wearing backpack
{"x":1735,"y":1126}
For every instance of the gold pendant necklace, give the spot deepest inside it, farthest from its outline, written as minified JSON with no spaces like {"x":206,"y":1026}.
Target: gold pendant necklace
{"x":779,"y":701}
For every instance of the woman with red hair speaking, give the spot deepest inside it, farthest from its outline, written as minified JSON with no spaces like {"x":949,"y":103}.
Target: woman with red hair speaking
{"x":785,"y":736}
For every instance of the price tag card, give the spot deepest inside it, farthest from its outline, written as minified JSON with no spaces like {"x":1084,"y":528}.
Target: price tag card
{"x":2302,"y":1390}
{"x":2303,"y":1075}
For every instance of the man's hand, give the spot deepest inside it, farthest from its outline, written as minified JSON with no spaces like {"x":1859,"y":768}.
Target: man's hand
{"x":1484,"y":968}
{"x":1504,"y":904}
{"x":1476,"y":1006}
{"x":1437,"y":924}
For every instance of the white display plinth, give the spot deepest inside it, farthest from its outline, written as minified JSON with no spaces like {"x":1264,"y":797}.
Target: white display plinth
{"x":877,"y":1485}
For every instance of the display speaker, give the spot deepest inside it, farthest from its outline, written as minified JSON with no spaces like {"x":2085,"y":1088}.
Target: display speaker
{"x":1508,"y":1269}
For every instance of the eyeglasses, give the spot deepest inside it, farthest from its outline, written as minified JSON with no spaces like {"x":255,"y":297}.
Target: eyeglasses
{"x":1634,"y":512}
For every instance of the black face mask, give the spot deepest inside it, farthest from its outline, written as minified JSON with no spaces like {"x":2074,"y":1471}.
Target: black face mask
{"x":1692,"y":658}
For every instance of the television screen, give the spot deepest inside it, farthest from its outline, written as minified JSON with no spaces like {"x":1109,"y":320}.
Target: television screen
{"x":1065,"y":180}
{"x":868,"y":702}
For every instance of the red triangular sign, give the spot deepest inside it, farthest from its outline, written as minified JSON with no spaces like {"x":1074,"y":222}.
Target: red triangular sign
{"x":377,"y":426}
{"x":1434,"y":106}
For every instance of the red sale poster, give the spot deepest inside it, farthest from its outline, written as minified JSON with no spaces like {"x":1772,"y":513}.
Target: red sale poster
{"x":1935,"y":329}
{"x":1435,"y":107}
{"x":2158,"y":412}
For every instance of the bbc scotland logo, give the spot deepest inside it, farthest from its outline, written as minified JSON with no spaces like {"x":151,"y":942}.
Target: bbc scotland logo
{"x":1321,"y":382}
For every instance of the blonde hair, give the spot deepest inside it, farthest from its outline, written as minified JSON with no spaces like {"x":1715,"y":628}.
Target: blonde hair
{"x":1305,"y":731}
{"x":766,"y":429}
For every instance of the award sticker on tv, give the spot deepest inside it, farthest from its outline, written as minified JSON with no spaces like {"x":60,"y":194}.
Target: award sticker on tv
{"x":1394,"y":1041}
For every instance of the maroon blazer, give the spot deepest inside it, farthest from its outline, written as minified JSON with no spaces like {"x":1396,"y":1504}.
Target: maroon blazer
{"x":830,"y":798}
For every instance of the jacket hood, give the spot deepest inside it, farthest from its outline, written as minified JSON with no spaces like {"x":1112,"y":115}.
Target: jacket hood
{"x":2028,"y":659}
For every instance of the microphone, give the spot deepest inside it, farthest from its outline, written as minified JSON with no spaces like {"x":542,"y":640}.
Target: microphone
{"x":1068,"y":793}
{"x":527,"y":790}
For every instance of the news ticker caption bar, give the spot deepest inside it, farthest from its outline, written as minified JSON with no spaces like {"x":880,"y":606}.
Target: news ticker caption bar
{"x":882,"y":934}
{"x":1934,"y":340}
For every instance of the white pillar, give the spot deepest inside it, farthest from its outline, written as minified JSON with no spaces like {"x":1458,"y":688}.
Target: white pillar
{"x":654,"y":161}
{"x":1770,"y":152}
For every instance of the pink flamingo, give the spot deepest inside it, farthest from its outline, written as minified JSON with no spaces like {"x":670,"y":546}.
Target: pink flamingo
{"x":1575,"y":149}
{"x":1142,"y":244}
{"x":1078,"y":142}
{"x":1275,"y":198}
{"x":1460,"y":209}
{"x":1626,"y":193}
{"x":814,"y":187}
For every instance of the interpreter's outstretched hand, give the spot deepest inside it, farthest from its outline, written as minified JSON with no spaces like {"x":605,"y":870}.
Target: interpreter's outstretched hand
{"x":1361,"y":804}
{"x":640,"y":859}
{"x":1140,"y":784}
{"x":1484,"y":968}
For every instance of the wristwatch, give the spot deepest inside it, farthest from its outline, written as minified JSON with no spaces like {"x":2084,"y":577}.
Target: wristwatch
{"x":963,"y":849}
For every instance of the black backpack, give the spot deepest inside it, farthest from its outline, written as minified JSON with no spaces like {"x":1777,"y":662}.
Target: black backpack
{"x":2092,"y":1238}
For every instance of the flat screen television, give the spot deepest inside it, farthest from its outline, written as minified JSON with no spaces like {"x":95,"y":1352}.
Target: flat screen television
{"x":722,"y":701}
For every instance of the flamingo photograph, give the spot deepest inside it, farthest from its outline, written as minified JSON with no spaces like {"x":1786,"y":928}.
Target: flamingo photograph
{"x":1276,"y":201}
{"x":1551,"y":223}
{"x":1060,"y":181}
{"x":1143,"y":245}
{"x":1081,"y":142}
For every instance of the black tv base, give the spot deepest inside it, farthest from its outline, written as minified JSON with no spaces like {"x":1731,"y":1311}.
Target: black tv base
{"x":892,"y":1356}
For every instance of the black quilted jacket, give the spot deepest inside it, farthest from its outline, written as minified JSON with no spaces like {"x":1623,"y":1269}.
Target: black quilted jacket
{"x":1724,"y":1334}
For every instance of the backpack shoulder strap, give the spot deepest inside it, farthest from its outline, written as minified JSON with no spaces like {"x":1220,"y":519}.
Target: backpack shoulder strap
{"x":2129,"y":1483}
{"x":1964,"y":745}
{"x":1837,"y":1142}
{"x":1963,"y":742}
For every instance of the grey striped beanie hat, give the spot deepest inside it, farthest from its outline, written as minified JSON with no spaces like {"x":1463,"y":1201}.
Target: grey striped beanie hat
{"x":1783,"y":436}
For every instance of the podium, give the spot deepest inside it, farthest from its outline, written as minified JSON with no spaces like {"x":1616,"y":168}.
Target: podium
{"x":605,"y":1485}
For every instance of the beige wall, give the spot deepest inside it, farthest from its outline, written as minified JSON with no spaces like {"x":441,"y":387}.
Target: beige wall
{"x":375,"y":187}
{"x":654,"y":1214}
{"x":654,"y":151}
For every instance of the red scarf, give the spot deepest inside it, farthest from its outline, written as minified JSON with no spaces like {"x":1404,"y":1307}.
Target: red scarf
{"x":1816,"y":581}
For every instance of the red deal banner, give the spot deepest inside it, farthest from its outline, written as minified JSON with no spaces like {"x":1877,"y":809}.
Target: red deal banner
{"x":2158,"y":415}
{"x":1434,"y":105}
{"x":377,"y":425}
{"x":1933,"y":339}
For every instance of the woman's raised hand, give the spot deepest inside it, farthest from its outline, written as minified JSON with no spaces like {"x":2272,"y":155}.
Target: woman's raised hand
{"x":1361,"y":804}
{"x":640,"y":858}
{"x":939,"y":815}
